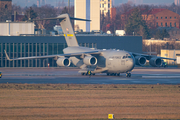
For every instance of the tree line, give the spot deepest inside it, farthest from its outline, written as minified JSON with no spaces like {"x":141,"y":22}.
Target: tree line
{"x":134,"y":25}
{"x":34,"y":12}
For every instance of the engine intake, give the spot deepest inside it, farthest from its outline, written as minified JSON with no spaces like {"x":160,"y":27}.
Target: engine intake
{"x":155,"y":62}
{"x":90,"y":60}
{"x":63,"y":62}
{"x":140,"y":60}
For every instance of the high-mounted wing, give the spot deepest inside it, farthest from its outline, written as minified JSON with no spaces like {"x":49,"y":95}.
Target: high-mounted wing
{"x":155,"y":61}
{"x":53,"y":56}
{"x":148,"y":57}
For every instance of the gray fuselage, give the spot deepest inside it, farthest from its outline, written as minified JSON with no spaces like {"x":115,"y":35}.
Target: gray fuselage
{"x":115,"y":61}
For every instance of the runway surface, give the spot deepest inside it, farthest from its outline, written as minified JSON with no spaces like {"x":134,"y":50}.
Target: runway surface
{"x":71,"y":76}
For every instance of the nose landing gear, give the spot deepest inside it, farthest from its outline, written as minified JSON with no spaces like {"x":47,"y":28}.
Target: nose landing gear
{"x":128,"y":74}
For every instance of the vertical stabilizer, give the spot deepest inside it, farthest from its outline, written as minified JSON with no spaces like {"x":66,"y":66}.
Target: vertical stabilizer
{"x":66,"y":27}
{"x":68,"y":30}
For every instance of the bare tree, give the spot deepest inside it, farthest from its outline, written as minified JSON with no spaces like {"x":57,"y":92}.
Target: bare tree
{"x":46,"y":11}
{"x":18,"y":9}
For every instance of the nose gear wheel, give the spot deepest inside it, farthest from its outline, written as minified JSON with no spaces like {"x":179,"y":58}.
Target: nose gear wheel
{"x":128,"y":75}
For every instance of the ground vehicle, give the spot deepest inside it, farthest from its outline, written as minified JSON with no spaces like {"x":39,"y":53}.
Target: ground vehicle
{"x":120,"y":32}
{"x":164,"y":64}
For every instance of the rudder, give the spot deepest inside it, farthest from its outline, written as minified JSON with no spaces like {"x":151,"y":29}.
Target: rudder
{"x":69,"y":34}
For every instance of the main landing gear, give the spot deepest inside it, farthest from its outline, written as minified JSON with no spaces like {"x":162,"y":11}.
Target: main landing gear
{"x":87,"y":73}
{"x":115,"y":74}
{"x":128,"y":74}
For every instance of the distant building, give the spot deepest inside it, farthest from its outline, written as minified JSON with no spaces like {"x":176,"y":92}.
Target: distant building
{"x":6,"y":4}
{"x":156,"y":18}
{"x":105,"y":7}
{"x":171,"y":54}
{"x":16,"y":28}
{"x":41,"y":3}
{"x":176,"y":2}
{"x":17,"y":17}
{"x":26,"y":46}
{"x":87,"y":9}
{"x":38,"y":3}
{"x":113,"y":13}
{"x":5,"y":10}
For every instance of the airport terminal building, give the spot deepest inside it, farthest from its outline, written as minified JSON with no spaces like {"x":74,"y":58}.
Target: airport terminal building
{"x":26,"y":46}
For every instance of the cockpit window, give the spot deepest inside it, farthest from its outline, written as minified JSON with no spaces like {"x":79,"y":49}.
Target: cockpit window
{"x":127,"y":56}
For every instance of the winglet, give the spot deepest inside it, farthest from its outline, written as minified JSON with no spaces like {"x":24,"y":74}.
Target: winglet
{"x":7,"y":55}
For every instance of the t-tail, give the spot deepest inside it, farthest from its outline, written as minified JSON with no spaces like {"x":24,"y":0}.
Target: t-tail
{"x":65,"y":23}
{"x":68,"y":31}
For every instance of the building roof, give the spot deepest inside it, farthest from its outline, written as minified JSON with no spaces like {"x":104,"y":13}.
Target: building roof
{"x":153,"y":11}
{"x":18,"y":17}
{"x":144,"y":11}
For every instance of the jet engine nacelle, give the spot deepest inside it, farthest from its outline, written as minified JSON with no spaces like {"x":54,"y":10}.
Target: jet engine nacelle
{"x":140,"y":60}
{"x":90,"y":60}
{"x":63,"y":62}
{"x":155,"y":62}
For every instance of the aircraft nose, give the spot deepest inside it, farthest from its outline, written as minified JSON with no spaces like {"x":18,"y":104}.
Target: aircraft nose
{"x":131,"y":64}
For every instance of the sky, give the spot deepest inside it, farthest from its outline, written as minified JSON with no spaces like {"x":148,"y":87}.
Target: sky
{"x":155,"y":2}
{"x":28,"y":3}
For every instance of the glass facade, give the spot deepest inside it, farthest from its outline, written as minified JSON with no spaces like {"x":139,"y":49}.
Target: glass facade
{"x":15,"y":50}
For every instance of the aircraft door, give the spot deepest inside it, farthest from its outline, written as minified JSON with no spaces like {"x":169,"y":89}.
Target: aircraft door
{"x":109,"y":65}
{"x":117,"y":64}
{"x":123,"y":62}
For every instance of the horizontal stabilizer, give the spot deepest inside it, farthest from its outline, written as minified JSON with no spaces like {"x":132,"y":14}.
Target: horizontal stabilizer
{"x":60,"y":17}
{"x":72,"y":18}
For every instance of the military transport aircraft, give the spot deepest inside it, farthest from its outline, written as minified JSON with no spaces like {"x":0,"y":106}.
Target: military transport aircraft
{"x":112,"y":62}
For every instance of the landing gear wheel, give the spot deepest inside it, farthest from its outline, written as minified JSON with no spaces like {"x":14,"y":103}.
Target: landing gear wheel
{"x":82,"y":73}
{"x":93,"y":73}
{"x":107,"y":74}
{"x":128,"y":74}
{"x":118,"y":74}
{"x":114,"y":74}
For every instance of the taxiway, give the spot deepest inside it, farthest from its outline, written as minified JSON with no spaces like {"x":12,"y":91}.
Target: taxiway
{"x":71,"y":76}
